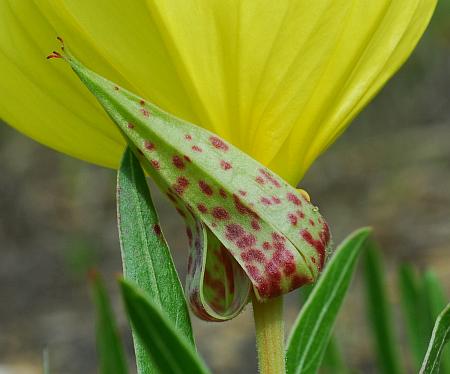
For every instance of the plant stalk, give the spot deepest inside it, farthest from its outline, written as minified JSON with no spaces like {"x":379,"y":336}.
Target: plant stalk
{"x":269,"y":325}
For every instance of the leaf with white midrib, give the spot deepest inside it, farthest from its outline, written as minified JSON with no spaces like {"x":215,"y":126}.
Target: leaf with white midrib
{"x":305,"y":355}
{"x":439,"y":337}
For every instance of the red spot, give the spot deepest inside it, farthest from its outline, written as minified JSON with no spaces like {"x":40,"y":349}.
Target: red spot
{"x":293,"y":218}
{"x":266,"y":201}
{"x":234,"y":231}
{"x":225,"y":165}
{"x":188,"y":137}
{"x":313,"y":259}
{"x":157,"y":229}
{"x":196,"y":148}
{"x":130,"y":125}
{"x":285,"y":260}
{"x":222,"y":193}
{"x":260,"y":180}
{"x":253,"y":255}
{"x":311,"y":222}
{"x":206,"y":188}
{"x":220,"y":213}
{"x":319,"y":245}
{"x":301,"y":214}
{"x":289,"y":268}
{"x":242,"y":209}
{"x":142,"y":102}
{"x":242,"y":193}
{"x":181,"y":185}
{"x":202,"y":208}
{"x":255,"y":225}
{"x":186,"y":158}
{"x":269,"y":177}
{"x":116,"y":88}
{"x":273,"y":271}
{"x":246,"y":240}
{"x":253,"y":272}
{"x":266,"y":246}
{"x":177,"y":161}
{"x":277,"y":237}
{"x":293,"y":199}
{"x":298,"y":281}
{"x":276,"y":200}
{"x":218,"y":143}
{"x":149,"y":146}
{"x":145,"y":112}
{"x":155,"y":164}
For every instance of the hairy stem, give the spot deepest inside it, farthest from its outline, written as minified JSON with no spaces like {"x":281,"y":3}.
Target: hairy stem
{"x":269,"y":326}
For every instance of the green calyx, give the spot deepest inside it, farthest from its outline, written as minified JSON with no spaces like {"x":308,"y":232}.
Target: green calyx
{"x":247,"y":227}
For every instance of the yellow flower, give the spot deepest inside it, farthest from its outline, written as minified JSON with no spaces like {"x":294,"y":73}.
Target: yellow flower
{"x":279,"y":79}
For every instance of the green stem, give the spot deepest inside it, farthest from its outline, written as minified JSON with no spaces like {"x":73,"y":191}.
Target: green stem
{"x":269,"y":325}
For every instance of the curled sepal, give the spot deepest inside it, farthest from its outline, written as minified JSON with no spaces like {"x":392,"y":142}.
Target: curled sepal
{"x":216,"y":286}
{"x":272,"y":231}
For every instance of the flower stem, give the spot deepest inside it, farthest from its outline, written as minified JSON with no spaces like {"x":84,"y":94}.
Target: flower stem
{"x":269,"y":326}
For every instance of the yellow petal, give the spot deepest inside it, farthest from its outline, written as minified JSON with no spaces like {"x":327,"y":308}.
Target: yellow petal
{"x":281,"y":80}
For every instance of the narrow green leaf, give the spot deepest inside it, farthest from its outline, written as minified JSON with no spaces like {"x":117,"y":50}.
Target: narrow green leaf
{"x":111,"y":356}
{"x":170,"y":351}
{"x":379,"y":312}
{"x":312,"y":329}
{"x":333,"y":361}
{"x":418,"y":324}
{"x":436,"y":301}
{"x":439,"y":337}
{"x":145,"y":254}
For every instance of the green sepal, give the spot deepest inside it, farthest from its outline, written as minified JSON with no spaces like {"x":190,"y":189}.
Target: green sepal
{"x":279,"y":239}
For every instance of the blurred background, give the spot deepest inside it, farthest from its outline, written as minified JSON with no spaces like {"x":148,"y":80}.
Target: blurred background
{"x":390,"y":170}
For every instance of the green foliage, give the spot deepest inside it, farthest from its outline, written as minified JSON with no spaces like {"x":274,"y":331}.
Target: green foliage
{"x":439,"y":337}
{"x":333,"y":361}
{"x":379,"y":312}
{"x":169,"y":350}
{"x":111,"y":356}
{"x":145,"y":253}
{"x":417,"y":320}
{"x":311,"y":332}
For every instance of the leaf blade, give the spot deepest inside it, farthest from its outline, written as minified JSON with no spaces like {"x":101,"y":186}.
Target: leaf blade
{"x":418,"y":324}
{"x":109,"y":346}
{"x":379,"y":312}
{"x":436,"y":300}
{"x":310,"y":335}
{"x":145,"y":254}
{"x":170,"y":351}
{"x":439,"y":337}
